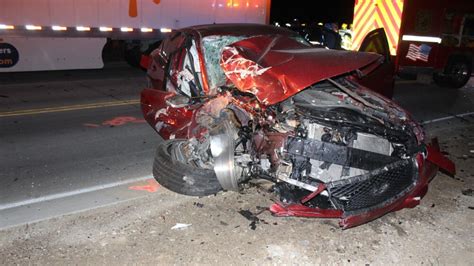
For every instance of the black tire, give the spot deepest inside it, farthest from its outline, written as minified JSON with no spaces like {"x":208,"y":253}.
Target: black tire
{"x":456,"y":74}
{"x":181,"y":177}
{"x":439,"y":79}
{"x":132,"y":56}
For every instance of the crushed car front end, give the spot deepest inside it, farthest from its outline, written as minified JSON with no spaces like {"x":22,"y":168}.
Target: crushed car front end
{"x":294,"y":115}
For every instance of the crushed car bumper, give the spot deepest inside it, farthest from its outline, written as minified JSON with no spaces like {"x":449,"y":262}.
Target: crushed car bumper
{"x":400,"y":185}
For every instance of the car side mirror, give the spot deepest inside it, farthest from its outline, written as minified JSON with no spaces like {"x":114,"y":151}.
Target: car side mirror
{"x":178,"y":101}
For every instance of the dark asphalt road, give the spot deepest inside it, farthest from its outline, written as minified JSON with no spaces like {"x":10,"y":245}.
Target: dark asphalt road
{"x":55,"y":152}
{"x":427,"y":102}
{"x":49,"y":153}
{"x":20,"y":91}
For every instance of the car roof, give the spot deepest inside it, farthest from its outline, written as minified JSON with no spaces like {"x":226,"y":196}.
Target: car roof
{"x":239,"y":29}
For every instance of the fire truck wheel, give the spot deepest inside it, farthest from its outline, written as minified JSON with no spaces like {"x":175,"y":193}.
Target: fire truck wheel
{"x":440,"y":79}
{"x":458,"y":72}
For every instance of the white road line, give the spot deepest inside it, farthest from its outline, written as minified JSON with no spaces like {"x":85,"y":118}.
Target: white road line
{"x":72,"y":193}
{"x":447,"y":118}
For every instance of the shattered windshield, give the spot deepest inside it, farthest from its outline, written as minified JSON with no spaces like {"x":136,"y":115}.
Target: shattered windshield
{"x":213,"y":46}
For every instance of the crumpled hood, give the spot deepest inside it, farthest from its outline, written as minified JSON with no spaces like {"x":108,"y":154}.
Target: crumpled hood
{"x":275,"y":68}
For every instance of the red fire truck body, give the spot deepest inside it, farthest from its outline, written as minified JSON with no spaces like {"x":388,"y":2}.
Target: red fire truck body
{"x":437,"y":37}
{"x":424,"y":36}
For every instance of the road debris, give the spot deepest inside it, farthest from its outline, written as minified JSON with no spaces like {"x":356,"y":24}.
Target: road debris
{"x":252,"y":217}
{"x":198,"y":204}
{"x":468,"y":192}
{"x":180,"y":226}
{"x":151,"y":187}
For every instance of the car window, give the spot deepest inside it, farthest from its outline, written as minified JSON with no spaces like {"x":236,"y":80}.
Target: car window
{"x":301,"y":40}
{"x":172,"y":72}
{"x":452,"y":25}
{"x":189,"y":79}
{"x":468,"y":31}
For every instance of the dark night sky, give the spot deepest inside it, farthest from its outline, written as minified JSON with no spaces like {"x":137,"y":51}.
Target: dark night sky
{"x":328,"y":11}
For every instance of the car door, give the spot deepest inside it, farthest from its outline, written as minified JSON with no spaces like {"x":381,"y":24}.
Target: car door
{"x":381,"y":79}
{"x":167,"y":103}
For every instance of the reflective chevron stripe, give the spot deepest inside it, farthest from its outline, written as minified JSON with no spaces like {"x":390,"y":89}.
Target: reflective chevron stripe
{"x":373,"y":14}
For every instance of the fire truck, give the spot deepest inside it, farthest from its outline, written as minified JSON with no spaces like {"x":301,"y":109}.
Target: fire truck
{"x":74,"y":34}
{"x":431,"y":37}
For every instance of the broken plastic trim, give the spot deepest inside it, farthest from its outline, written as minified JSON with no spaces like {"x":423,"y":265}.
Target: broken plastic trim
{"x":337,"y":154}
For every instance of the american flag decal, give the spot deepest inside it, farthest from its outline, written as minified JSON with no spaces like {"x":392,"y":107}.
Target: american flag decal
{"x":419,"y":52}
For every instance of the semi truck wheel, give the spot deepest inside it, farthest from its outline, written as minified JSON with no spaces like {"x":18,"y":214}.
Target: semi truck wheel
{"x":132,"y":56}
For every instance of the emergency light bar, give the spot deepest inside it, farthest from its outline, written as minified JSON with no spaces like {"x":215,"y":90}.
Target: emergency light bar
{"x":416,"y":38}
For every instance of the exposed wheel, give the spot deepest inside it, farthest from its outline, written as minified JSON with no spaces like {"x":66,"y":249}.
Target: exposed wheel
{"x":172,"y":171}
{"x":456,"y":74}
{"x":132,"y":56}
{"x":440,"y":80}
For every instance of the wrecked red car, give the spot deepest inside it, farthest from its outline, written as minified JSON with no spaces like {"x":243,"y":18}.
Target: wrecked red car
{"x":242,"y":102}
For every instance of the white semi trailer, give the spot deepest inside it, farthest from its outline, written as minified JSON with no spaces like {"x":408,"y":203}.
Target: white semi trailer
{"x":70,"y":34}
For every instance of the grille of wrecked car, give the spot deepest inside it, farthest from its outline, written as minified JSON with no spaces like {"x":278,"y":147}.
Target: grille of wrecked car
{"x":357,"y":177}
{"x":374,"y":189}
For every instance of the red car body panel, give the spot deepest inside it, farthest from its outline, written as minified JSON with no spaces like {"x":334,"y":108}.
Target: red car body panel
{"x":274,"y":69}
{"x":166,"y":120}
